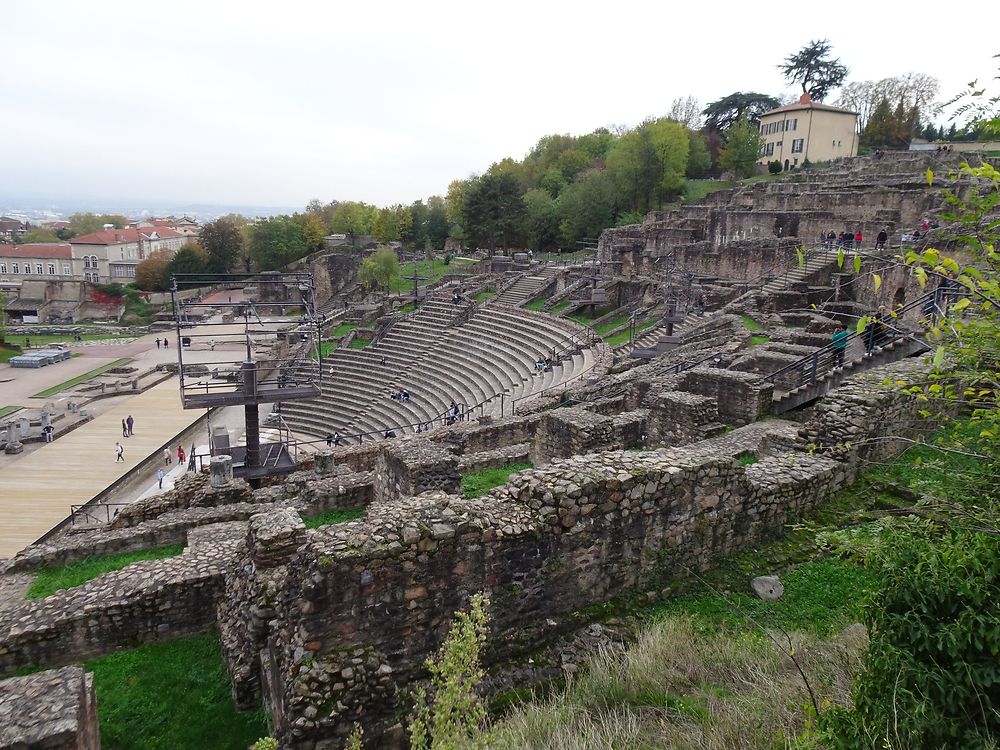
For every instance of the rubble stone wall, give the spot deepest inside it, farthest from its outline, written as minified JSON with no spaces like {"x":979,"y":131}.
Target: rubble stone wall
{"x":51,"y":710}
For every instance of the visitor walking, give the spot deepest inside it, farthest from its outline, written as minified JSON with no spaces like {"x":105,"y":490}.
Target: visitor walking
{"x":48,"y":430}
{"x":839,"y":340}
{"x":873,"y":333}
{"x":329,"y":441}
{"x":157,"y":343}
{"x":166,"y":342}
{"x":119,"y":452}
{"x":857,"y":239}
{"x":699,"y":304}
{"x":880,"y":241}
{"x":130,"y":423}
{"x":159,"y":477}
{"x":848,"y":239}
{"x":124,"y":429}
{"x":167,"y":456}
{"x":180,"y":454}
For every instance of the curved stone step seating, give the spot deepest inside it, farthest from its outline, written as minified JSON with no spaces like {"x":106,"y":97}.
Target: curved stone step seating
{"x":492,"y":352}
{"x":526,"y":287}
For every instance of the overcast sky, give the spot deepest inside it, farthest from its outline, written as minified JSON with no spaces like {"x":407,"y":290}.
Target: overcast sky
{"x":274,"y":103}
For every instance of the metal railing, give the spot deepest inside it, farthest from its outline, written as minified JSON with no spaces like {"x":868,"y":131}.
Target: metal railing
{"x":813,"y":367}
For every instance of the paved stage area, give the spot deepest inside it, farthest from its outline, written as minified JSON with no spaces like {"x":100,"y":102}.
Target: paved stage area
{"x":36,"y":492}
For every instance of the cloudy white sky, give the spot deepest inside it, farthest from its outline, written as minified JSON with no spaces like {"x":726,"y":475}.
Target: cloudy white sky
{"x":274,"y":103}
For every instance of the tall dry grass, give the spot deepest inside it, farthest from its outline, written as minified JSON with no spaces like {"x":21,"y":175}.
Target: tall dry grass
{"x":677,"y":688}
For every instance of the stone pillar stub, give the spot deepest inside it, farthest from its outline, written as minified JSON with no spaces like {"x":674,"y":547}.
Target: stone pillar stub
{"x":325,"y":462}
{"x":221,"y":468}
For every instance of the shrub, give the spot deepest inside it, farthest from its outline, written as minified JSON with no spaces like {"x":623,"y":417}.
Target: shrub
{"x":774,"y":167}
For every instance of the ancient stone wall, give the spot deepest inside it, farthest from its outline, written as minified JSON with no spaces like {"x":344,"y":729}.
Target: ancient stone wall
{"x":412,"y":466}
{"x":575,"y":431}
{"x":741,"y":397}
{"x":51,"y":710}
{"x":364,"y":605}
{"x":145,"y":602}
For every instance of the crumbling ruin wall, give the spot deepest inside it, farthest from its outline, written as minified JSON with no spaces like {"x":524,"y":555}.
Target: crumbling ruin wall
{"x":366,"y":603}
{"x":741,"y":396}
{"x":51,"y":710}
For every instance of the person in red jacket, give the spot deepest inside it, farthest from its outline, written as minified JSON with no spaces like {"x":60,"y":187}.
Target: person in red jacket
{"x":857,"y":239}
{"x":180,"y":454}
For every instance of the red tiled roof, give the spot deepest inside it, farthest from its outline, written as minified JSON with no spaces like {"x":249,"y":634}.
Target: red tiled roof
{"x":116,"y":236}
{"x":36,"y":250}
{"x":805,"y":102}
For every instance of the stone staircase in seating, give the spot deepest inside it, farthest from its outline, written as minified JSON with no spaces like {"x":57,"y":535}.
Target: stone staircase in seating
{"x":528,"y":285}
{"x":438,"y":361}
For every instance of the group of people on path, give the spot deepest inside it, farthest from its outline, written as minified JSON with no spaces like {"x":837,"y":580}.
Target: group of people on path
{"x":853,"y":241}
{"x":165,"y":341}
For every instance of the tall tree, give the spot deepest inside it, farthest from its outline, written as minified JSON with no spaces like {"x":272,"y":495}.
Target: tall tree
{"x":913,"y":89}
{"x":723,"y":113}
{"x":379,"y":268}
{"x":437,"y":223}
{"x":153,"y":273}
{"x":586,"y":207}
{"x":189,"y":259}
{"x":493,"y":211}
{"x":635,"y":167}
{"x":275,"y":242}
{"x":541,"y":220}
{"x":742,"y":149}
{"x":223,"y":243}
{"x":699,"y":162}
{"x":814,"y":69}
{"x":687,"y":111}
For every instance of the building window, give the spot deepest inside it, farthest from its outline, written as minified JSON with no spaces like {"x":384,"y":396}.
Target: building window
{"x":3,"y":268}
{"x":66,"y":271}
{"x":795,"y":123}
{"x":52,"y":269}
{"x":797,"y":145}
{"x":38,"y":268}
{"x":769,"y":149}
{"x":16,"y":267}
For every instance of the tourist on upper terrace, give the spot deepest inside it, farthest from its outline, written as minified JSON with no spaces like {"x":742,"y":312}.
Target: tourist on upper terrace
{"x":880,"y":241}
{"x":157,"y":342}
{"x":839,"y":340}
{"x":699,"y":304}
{"x":848,"y":240}
{"x":830,"y":239}
{"x":119,"y":453}
{"x":159,"y":477}
{"x":180,"y":454}
{"x":389,"y":434}
{"x":167,"y":459}
{"x":876,"y":331}
{"x":858,"y":239}
{"x":130,"y":423}
{"x":124,"y":429}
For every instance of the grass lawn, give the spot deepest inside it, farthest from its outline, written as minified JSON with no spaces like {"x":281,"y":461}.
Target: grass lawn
{"x":750,"y":324}
{"x":620,"y":338}
{"x":610,"y":325}
{"x":6,"y":354}
{"x":80,"y":378}
{"x":697,"y":190}
{"x":343,"y":329}
{"x":556,"y":309}
{"x":38,"y":341}
{"x":536,"y":305}
{"x":759,"y":339}
{"x":482,"y":296}
{"x":408,"y":307}
{"x":428,"y":271}
{"x":5,"y":410}
{"x":478,"y":483}
{"x":357,"y":343}
{"x":326,"y":348}
{"x":337,"y":515}
{"x":50,"y":580}
{"x":168,"y":696}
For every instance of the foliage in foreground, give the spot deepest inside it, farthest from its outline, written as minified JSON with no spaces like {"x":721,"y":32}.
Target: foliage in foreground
{"x":50,"y":580}
{"x":172,"y":695}
{"x":456,"y":715}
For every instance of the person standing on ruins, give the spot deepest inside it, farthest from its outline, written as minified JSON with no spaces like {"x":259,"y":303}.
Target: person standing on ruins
{"x":157,"y":343}
{"x":180,"y":454}
{"x":119,"y":452}
{"x":124,"y":429}
{"x":167,"y":457}
{"x":159,"y":477}
{"x":857,"y":239}
{"x":130,"y":423}
{"x":839,"y":340}
{"x":880,"y":241}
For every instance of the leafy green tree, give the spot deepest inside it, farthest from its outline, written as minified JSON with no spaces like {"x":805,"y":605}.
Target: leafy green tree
{"x":586,"y":207}
{"x":723,"y":113}
{"x":553,"y":182}
{"x":86,"y":222}
{"x":153,"y":273}
{"x":541,"y":220}
{"x":814,"y":69}
{"x":437,"y":223}
{"x":456,"y":718}
{"x":223,"y":243}
{"x":38,"y":234}
{"x":699,"y":162}
{"x":275,"y":242}
{"x":687,"y":111}
{"x":313,"y":229}
{"x":493,"y":211}
{"x":596,"y":144}
{"x":379,"y":269}
{"x":353,"y":219}
{"x":188,"y":260}
{"x":670,"y":139}
{"x":416,"y":237}
{"x":635,"y":167}
{"x":742,"y":149}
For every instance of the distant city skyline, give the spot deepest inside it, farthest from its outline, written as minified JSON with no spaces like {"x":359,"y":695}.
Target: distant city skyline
{"x":254,"y":104}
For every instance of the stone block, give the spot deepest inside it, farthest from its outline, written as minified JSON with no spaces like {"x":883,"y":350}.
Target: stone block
{"x":51,"y":710}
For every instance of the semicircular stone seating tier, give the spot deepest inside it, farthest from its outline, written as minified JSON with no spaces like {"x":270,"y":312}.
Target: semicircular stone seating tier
{"x":438,"y":362}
